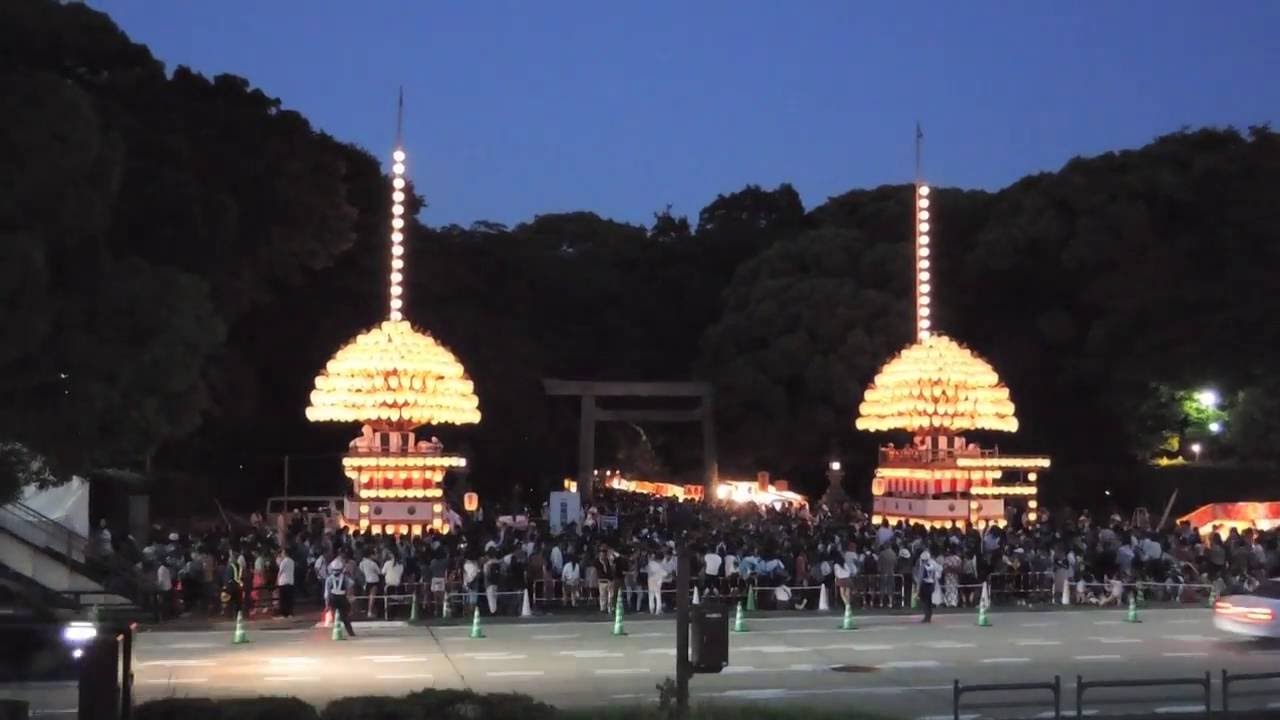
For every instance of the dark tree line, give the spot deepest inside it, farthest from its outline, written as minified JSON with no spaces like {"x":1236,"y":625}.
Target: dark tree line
{"x":180,"y":254}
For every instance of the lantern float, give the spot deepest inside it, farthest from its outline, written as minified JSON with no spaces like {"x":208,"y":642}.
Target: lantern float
{"x":394,"y":379}
{"x":937,"y":389}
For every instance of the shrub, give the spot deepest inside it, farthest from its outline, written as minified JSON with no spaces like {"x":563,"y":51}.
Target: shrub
{"x":373,"y":707}
{"x":178,"y":709}
{"x":467,"y":705}
{"x":265,"y":708}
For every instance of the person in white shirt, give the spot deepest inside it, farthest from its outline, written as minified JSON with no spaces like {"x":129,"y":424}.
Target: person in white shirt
{"x":471,"y":580}
{"x":844,"y":579}
{"x":730,"y":572}
{"x":372,"y":574}
{"x":284,"y":582}
{"x":571,"y":577}
{"x":711,"y":563}
{"x":164,"y":591}
{"x":657,"y":574}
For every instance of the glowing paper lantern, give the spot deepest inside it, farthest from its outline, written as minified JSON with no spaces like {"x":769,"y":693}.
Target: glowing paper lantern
{"x":471,"y":502}
{"x":937,"y":384}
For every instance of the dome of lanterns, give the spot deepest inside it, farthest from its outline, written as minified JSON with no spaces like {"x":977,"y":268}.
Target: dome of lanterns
{"x":394,"y":376}
{"x":937,"y":385}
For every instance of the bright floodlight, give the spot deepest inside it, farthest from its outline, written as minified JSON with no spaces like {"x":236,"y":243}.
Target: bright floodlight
{"x":1215,"y":427}
{"x":834,"y":465}
{"x":1196,"y":448}
{"x":79,"y":632}
{"x":1208,"y":398}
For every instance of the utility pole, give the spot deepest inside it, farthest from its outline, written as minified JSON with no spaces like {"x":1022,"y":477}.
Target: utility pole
{"x":682,"y":627}
{"x":286,"y":484}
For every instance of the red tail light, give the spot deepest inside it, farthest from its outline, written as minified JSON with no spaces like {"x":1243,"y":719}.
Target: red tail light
{"x":1245,"y":613}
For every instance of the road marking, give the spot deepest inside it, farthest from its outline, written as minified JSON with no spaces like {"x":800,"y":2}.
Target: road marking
{"x":853,"y":646}
{"x":1006,"y":660}
{"x":1186,"y":621}
{"x":1170,"y":709}
{"x":659,"y":651}
{"x":1273,"y":705}
{"x":1191,"y":638}
{"x":1097,"y":658}
{"x":178,"y":663}
{"x":188,"y":646}
{"x":1037,"y":643}
{"x":515,"y":673}
{"x":623,"y":671}
{"x":649,"y":635}
{"x":756,"y":693}
{"x":417,"y":676}
{"x":1038,"y":624}
{"x":1108,"y":622}
{"x":493,"y":656}
{"x":1264,"y":652}
{"x":590,"y":654}
{"x":1186,"y":654}
{"x":773,"y":649}
{"x":385,"y":659}
{"x":175,"y":681}
{"x":947,"y":717}
{"x":296,"y":660}
{"x":737,"y":670}
{"x":1050,"y":714}
{"x":290,"y":678}
{"x":1115,"y":640}
{"x":908,"y":664}
{"x":557,"y":637}
{"x":946,"y":645}
{"x":807,"y":668}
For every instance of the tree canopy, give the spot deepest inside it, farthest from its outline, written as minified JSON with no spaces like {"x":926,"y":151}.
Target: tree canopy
{"x":180,"y":254}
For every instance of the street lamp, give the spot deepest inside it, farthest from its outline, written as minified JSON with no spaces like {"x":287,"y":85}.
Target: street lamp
{"x":1215,"y":427}
{"x":835,"y":484}
{"x":1208,"y":398}
{"x":834,"y":466}
{"x":1195,"y":449}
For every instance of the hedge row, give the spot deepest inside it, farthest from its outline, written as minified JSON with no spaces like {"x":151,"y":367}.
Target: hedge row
{"x":453,"y":705}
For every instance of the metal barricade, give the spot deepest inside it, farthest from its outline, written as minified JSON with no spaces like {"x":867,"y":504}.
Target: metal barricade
{"x":1205,"y":682}
{"x":1228,"y":679}
{"x":1054,"y":687}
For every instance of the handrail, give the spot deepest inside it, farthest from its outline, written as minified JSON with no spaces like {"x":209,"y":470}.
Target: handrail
{"x":1206,"y":682}
{"x":1228,"y":678}
{"x":1054,"y":687}
{"x":58,"y":538}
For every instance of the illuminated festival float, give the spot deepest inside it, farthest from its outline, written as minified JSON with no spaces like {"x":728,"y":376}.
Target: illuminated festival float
{"x":395,"y":379}
{"x":937,"y":390}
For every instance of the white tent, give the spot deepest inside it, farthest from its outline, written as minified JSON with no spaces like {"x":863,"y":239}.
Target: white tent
{"x":68,"y":504}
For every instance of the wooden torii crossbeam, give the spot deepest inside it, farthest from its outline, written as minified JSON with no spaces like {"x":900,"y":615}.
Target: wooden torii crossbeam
{"x":591,"y":414}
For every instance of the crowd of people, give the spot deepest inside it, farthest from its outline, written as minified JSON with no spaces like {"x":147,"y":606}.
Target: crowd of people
{"x":626,"y":547}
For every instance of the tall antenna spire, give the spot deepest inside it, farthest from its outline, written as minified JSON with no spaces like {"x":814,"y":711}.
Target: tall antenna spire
{"x":396,"y":289}
{"x":923,"y":263}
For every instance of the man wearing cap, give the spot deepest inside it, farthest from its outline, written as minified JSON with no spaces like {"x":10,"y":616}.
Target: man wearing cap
{"x":336,"y":587}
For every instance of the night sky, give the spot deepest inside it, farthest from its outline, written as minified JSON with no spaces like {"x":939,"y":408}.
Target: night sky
{"x":518,"y":108}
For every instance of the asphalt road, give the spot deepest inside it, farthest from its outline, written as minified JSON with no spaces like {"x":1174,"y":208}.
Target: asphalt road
{"x":895,"y":665}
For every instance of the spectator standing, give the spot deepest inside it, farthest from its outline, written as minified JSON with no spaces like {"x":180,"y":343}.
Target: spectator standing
{"x":285,"y":583}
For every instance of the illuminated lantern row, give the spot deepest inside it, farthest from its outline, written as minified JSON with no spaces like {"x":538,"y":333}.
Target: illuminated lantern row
{"x":937,"y":390}
{"x":394,"y":378}
{"x":397,"y":377}
{"x":937,"y":385}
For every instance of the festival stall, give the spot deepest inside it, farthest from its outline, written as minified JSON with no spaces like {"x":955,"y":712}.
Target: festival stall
{"x":1227,"y":516}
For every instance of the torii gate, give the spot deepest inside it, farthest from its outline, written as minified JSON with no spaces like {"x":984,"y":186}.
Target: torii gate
{"x":591,"y":414}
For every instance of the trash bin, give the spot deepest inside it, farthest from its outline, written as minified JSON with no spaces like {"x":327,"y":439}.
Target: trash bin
{"x":708,"y":637}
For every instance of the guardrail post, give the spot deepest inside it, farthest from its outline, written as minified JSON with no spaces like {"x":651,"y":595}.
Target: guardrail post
{"x":1079,"y":696}
{"x":1057,"y":697}
{"x":1208,"y":694}
{"x":1226,"y":706}
{"x":955,"y":700}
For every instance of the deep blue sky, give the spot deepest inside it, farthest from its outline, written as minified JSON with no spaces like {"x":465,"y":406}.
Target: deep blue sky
{"x":523,"y":107}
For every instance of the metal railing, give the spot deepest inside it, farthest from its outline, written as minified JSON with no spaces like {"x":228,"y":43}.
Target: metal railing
{"x":1205,"y":682}
{"x":1229,"y":678}
{"x":74,"y":550}
{"x":1054,"y":687}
